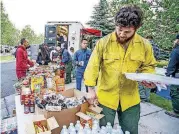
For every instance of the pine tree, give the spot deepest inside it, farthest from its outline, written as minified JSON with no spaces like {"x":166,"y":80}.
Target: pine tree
{"x":101,"y":19}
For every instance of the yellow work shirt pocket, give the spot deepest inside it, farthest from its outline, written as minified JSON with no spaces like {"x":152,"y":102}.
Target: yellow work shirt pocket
{"x":111,"y":61}
{"x":109,"y":73}
{"x":135,"y":61}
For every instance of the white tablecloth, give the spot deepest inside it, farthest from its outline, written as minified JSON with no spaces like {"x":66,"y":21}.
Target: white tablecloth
{"x":24,"y":119}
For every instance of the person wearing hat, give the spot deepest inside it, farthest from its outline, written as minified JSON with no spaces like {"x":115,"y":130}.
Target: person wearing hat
{"x":173,"y":71}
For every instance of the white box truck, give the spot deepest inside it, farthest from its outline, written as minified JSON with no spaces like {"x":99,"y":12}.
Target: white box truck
{"x":61,"y":32}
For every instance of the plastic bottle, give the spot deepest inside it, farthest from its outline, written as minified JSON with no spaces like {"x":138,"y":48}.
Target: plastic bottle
{"x":103,"y":130}
{"x":81,"y":131}
{"x":64,"y":130}
{"x":78,"y":126}
{"x":72,"y":131}
{"x":108,"y":127}
{"x":127,"y":132}
{"x":88,"y":131}
{"x":70,"y":127}
{"x":114,"y":131}
{"x":86,"y":128}
{"x":96,"y":124}
{"x":119,"y":130}
{"x":95,"y":129}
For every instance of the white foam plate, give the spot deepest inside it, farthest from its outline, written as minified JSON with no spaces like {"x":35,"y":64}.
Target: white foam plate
{"x":152,"y":78}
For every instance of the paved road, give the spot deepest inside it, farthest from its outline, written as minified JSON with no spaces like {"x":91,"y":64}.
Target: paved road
{"x":8,"y":78}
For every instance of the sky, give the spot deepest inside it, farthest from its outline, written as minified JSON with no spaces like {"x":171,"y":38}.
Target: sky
{"x":37,"y":12}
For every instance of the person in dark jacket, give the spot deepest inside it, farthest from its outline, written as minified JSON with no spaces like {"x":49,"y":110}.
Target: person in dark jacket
{"x":67,"y":60}
{"x":22,"y":61}
{"x":43,"y":57}
{"x":155,"y":47}
{"x":173,"y":71}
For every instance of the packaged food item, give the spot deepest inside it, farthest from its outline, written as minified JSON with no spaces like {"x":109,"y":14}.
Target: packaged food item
{"x":25,"y":94}
{"x":39,"y":127}
{"x":18,"y":87}
{"x":36,"y":83}
{"x":57,"y":102}
{"x":59,"y":82}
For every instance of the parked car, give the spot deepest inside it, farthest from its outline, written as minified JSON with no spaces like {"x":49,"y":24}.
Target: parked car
{"x":13,"y":51}
{"x":5,"y":49}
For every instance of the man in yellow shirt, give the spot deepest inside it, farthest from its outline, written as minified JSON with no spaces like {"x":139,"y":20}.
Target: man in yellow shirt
{"x":121,"y":51}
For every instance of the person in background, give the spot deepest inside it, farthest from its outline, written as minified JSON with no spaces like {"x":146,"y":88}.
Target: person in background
{"x":173,"y":71}
{"x":73,"y":63}
{"x":55,"y":54}
{"x":145,"y":92}
{"x":81,"y":58}
{"x":22,"y":61}
{"x":122,"y":51}
{"x":43,"y":56}
{"x":67,"y":60}
{"x":155,"y":47}
{"x":60,"y":38}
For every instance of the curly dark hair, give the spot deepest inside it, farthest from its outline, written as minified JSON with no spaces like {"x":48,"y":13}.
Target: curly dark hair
{"x":129,"y":15}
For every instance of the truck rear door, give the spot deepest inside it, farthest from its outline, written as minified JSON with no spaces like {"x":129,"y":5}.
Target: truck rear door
{"x":50,"y":35}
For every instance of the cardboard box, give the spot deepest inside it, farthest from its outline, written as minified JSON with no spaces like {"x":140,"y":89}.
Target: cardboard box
{"x":84,"y":118}
{"x":49,"y":123}
{"x":66,"y":116}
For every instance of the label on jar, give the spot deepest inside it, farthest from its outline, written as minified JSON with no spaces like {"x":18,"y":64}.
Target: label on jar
{"x":26,"y":109}
{"x":32,"y":109}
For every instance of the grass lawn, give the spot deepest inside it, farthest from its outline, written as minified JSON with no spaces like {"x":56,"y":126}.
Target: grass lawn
{"x":6,"y":58}
{"x":160,"y":102}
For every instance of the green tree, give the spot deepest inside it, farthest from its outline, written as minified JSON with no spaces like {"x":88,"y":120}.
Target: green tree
{"x":101,"y":18}
{"x":28,"y":33}
{"x":39,"y":39}
{"x":9,"y":34}
{"x":167,"y":13}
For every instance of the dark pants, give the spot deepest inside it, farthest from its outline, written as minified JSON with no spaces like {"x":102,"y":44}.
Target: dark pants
{"x":128,"y":119}
{"x":174,"y":93}
{"x":68,"y":68}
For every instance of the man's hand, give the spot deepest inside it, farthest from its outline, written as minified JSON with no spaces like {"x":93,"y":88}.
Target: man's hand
{"x":34,"y":61}
{"x":148,"y":84}
{"x":91,"y":95}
